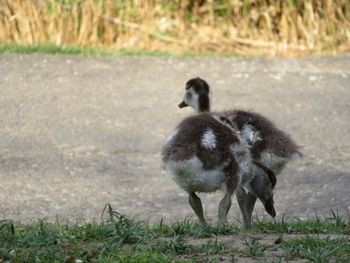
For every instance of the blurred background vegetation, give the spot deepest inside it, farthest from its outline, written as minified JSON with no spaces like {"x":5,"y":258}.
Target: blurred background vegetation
{"x":239,"y":27}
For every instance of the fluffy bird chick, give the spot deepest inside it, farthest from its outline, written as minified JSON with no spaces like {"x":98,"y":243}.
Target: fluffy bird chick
{"x":203,"y":154}
{"x":271,"y":148}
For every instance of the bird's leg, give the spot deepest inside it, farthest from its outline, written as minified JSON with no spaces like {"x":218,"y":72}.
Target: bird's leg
{"x":250,"y":200}
{"x":225,"y":203}
{"x":196,"y":204}
{"x":224,"y":207}
{"x":246,"y":203}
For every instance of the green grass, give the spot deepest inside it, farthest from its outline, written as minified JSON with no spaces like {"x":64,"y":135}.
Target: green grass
{"x":332,"y":224}
{"x":318,"y":250}
{"x":13,"y":48}
{"x":50,"y":49}
{"x":9,"y":48}
{"x":120,"y":238}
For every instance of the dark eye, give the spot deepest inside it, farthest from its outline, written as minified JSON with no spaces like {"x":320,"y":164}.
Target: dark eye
{"x":187,"y":87}
{"x":188,"y":95}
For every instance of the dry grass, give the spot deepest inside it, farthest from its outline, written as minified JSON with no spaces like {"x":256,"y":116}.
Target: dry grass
{"x":246,"y":27}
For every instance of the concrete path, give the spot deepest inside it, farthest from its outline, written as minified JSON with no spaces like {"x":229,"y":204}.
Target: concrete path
{"x":79,"y":132}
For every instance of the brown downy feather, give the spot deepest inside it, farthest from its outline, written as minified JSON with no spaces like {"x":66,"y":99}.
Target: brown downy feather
{"x":273,"y":139}
{"x":187,"y":142}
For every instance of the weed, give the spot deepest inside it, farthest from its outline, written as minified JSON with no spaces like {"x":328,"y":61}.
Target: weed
{"x":176,"y":245}
{"x":318,"y":249}
{"x":194,"y":229}
{"x":125,"y":230}
{"x":119,"y":238}
{"x":254,"y":248}
{"x":145,"y":256}
{"x":7,"y":228}
{"x":213,"y":247}
{"x":332,"y":224}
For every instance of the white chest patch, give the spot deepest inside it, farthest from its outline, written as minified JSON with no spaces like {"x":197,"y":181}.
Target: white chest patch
{"x":209,"y":139}
{"x":191,"y":176}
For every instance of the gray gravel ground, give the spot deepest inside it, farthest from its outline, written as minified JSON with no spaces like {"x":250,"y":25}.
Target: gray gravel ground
{"x":79,"y":132}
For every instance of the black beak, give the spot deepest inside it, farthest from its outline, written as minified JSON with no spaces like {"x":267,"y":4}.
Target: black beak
{"x":270,"y":208}
{"x":183,"y":105}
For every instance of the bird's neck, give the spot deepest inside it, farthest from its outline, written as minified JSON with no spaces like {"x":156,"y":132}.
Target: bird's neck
{"x":203,"y":103}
